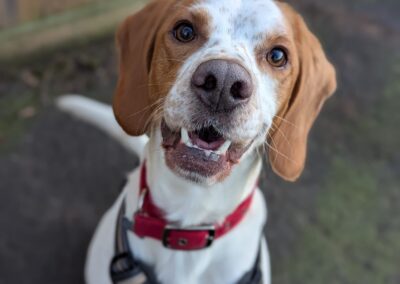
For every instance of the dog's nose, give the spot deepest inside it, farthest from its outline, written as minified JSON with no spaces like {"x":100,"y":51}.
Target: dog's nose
{"x":222,"y":85}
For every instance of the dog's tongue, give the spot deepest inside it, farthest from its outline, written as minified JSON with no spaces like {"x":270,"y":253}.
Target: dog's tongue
{"x":207,"y":138}
{"x":207,"y":143}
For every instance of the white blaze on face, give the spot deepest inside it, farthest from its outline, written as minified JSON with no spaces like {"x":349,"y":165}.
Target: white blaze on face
{"x":237,"y":27}
{"x":243,"y":20}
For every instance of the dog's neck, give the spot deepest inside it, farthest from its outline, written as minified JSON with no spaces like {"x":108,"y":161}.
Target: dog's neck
{"x":188,"y":203}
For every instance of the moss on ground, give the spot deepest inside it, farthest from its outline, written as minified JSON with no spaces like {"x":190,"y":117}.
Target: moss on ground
{"x":378,"y":130}
{"x":354,"y":237}
{"x":31,"y":83}
{"x":16,"y":113}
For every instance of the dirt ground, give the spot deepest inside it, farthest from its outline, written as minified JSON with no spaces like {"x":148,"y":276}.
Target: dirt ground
{"x":339,"y":224}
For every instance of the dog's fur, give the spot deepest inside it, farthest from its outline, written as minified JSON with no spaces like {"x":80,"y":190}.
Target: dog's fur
{"x":154,"y":87}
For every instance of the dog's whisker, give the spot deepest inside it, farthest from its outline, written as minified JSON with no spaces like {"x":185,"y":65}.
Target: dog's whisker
{"x":277,"y":151}
{"x":156,"y":115}
{"x":274,"y":144}
{"x":169,"y":59}
{"x":164,"y":84}
{"x":274,"y":127}
{"x":159,"y":101}
{"x":286,"y":121}
{"x":157,"y":85}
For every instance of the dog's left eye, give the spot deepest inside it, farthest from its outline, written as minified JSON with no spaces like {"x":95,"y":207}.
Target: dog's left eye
{"x":277,"y":57}
{"x":184,"y":32}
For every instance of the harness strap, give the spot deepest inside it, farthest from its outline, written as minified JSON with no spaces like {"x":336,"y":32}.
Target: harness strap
{"x":124,"y":269}
{"x":254,"y":276}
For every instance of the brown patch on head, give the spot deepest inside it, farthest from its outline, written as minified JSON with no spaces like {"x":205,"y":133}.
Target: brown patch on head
{"x":150,"y":58}
{"x":303,"y":88}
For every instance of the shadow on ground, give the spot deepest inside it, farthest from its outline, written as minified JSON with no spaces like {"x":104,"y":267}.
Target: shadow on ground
{"x":339,"y":224}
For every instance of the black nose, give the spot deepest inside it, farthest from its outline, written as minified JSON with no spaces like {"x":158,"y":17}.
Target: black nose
{"x":222,"y":85}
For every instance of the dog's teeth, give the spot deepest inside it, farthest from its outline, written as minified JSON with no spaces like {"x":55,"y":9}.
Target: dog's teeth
{"x":214,"y":156}
{"x":185,"y":137}
{"x":222,"y":150}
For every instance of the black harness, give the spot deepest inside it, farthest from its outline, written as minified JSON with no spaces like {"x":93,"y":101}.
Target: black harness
{"x":125,"y":269}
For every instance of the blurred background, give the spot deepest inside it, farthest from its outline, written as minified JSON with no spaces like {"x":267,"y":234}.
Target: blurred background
{"x":339,"y":224}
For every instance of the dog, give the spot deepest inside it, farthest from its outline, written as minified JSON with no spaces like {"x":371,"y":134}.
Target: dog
{"x":205,"y":89}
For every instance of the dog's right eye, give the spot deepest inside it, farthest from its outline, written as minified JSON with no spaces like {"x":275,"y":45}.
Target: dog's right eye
{"x":184,"y":32}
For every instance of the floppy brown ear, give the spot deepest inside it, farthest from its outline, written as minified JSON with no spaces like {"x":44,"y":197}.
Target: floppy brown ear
{"x":316,"y":81}
{"x":135,"y":40}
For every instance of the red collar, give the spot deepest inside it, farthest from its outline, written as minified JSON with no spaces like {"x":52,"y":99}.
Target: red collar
{"x":149,"y":222}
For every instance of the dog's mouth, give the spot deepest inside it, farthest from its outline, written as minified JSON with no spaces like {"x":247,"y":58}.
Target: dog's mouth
{"x":202,"y":153}
{"x":207,"y":139}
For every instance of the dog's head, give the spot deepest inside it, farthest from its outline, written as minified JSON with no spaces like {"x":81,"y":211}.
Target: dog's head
{"x":219,"y":78}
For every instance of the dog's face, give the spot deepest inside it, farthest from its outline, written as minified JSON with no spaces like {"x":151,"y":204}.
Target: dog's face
{"x":219,"y":78}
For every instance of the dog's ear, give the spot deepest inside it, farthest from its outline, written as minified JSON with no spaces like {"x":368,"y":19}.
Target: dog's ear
{"x":316,"y":81}
{"x":135,"y":40}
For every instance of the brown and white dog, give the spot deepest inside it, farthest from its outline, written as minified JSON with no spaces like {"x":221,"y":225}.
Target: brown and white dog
{"x":211,"y":82}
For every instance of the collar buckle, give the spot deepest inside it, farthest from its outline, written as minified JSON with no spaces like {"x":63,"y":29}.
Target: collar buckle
{"x":188,"y":238}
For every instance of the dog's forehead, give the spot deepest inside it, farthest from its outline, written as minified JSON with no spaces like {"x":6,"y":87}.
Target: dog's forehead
{"x":249,"y":20}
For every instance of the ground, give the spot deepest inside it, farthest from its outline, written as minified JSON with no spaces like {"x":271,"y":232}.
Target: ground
{"x":339,"y":224}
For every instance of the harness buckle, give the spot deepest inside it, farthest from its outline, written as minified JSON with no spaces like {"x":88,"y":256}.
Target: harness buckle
{"x":183,"y":243}
{"x":123,"y":267}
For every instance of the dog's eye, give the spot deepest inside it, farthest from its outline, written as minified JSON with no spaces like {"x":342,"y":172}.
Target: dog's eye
{"x":277,"y":57}
{"x":184,"y":32}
